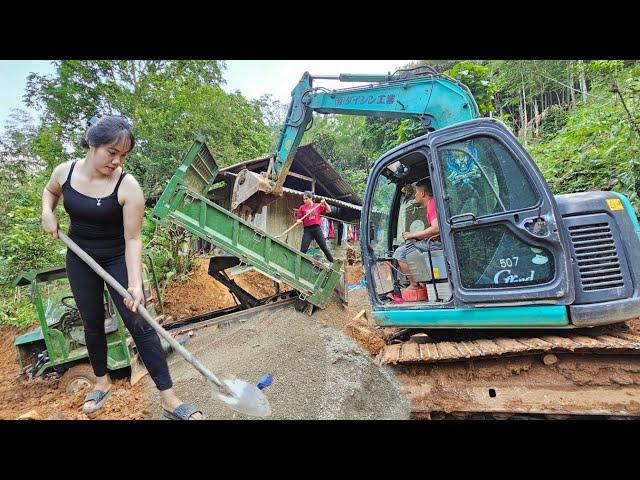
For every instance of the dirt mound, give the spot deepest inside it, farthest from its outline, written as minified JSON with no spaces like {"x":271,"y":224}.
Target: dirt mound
{"x":318,"y":373}
{"x":19,"y":395}
{"x":355,"y":273}
{"x":350,"y":321}
{"x":200,"y":293}
{"x":257,"y":284}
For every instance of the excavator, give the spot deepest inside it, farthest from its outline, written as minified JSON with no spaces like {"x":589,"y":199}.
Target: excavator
{"x":531,"y":296}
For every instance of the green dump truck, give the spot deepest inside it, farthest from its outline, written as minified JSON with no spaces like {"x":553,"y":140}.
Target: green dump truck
{"x":185,"y":203}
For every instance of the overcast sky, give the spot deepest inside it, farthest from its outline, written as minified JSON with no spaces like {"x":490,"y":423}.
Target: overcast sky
{"x":253,"y":78}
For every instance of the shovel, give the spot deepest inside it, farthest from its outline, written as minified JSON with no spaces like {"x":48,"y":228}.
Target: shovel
{"x":239,"y":395}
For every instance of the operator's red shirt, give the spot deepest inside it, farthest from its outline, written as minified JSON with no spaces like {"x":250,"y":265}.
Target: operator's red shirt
{"x":432,"y":215}
{"x":314,"y":217}
{"x":431,"y":210}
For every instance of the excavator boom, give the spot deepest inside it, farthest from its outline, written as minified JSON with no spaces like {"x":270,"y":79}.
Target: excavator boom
{"x":432,"y":98}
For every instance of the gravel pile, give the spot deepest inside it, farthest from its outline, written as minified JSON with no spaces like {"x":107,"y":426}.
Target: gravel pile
{"x":318,"y":373}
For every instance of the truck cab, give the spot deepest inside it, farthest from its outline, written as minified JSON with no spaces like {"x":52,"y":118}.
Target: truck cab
{"x":507,"y":257}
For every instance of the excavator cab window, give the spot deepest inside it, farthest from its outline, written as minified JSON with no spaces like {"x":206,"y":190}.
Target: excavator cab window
{"x":380,"y":216}
{"x":482,"y":179}
{"x":380,"y":224}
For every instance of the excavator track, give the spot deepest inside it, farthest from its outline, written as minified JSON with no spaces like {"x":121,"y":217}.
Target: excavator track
{"x":408,"y":352}
{"x":560,"y":376}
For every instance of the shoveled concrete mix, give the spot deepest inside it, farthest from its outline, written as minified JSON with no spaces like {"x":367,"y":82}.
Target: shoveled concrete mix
{"x":318,"y":373}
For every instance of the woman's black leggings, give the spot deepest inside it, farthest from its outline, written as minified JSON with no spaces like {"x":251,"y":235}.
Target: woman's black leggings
{"x":315,"y":233}
{"x":88,"y":288}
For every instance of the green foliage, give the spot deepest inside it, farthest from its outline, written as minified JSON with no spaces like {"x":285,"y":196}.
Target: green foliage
{"x":477,"y":78}
{"x":554,"y":121}
{"x":597,"y":148}
{"x":607,"y":67}
{"x":25,"y":245}
{"x":339,"y":139}
{"x":168,"y":247}
{"x":17,"y":310}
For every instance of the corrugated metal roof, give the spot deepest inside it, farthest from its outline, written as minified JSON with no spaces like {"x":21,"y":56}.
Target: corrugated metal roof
{"x":308,"y":162}
{"x":329,"y":200}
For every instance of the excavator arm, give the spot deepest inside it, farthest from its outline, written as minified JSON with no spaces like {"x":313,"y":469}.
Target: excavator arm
{"x":432,"y":98}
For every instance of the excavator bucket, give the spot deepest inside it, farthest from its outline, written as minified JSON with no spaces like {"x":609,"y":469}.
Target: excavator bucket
{"x":251,"y":189}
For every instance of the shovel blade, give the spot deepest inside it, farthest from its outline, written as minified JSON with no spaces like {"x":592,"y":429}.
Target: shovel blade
{"x":245,"y":397}
{"x":138,"y":370}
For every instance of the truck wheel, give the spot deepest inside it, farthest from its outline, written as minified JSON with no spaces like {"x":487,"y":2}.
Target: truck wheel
{"x":77,"y":378}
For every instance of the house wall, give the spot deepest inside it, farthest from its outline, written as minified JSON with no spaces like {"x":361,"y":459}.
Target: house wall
{"x":277,"y":217}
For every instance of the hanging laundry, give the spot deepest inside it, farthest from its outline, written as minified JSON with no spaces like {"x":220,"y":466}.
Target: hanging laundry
{"x":324,"y":225}
{"x":352,"y":233}
{"x":339,"y":235}
{"x":331,"y":230}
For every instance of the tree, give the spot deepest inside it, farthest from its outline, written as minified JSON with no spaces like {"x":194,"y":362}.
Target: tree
{"x":168,"y":103}
{"x":477,"y":78}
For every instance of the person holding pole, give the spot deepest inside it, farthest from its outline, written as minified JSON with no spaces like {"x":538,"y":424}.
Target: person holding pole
{"x":309,"y":215}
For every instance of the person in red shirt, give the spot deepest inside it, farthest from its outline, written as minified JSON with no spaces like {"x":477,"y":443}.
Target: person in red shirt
{"x":424,"y":197}
{"x":311,"y":223}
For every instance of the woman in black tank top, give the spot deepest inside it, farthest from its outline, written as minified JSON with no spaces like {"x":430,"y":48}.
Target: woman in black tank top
{"x":106,"y":207}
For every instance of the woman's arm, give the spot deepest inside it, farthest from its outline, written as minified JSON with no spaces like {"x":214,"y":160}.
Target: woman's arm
{"x":133,"y":213}
{"x":50,"y":197}
{"x":327,"y":208}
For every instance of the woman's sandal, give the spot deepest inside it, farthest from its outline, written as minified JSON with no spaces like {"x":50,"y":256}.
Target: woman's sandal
{"x":97,"y":396}
{"x":182,"y":412}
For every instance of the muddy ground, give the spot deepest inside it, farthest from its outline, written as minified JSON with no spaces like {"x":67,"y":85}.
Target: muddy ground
{"x":41,"y":397}
{"x":318,"y":371}
{"x":19,"y":396}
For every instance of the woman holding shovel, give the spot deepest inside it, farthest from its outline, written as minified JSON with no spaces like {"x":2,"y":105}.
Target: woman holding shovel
{"x":106,"y":207}
{"x":309,"y":215}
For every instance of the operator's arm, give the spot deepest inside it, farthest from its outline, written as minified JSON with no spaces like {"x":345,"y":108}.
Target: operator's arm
{"x":132,"y":213}
{"x":50,"y":196}
{"x":433,"y":229}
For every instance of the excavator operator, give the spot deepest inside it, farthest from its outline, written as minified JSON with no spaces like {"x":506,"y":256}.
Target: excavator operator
{"x":423,"y":197}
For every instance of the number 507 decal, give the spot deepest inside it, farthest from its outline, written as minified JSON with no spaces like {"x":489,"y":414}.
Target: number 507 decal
{"x":508,"y":262}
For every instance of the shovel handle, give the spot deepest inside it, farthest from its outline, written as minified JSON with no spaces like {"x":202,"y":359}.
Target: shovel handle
{"x":143,"y":312}
{"x":305,"y":216}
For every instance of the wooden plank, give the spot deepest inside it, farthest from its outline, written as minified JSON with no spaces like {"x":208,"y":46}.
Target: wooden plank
{"x":297,"y":175}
